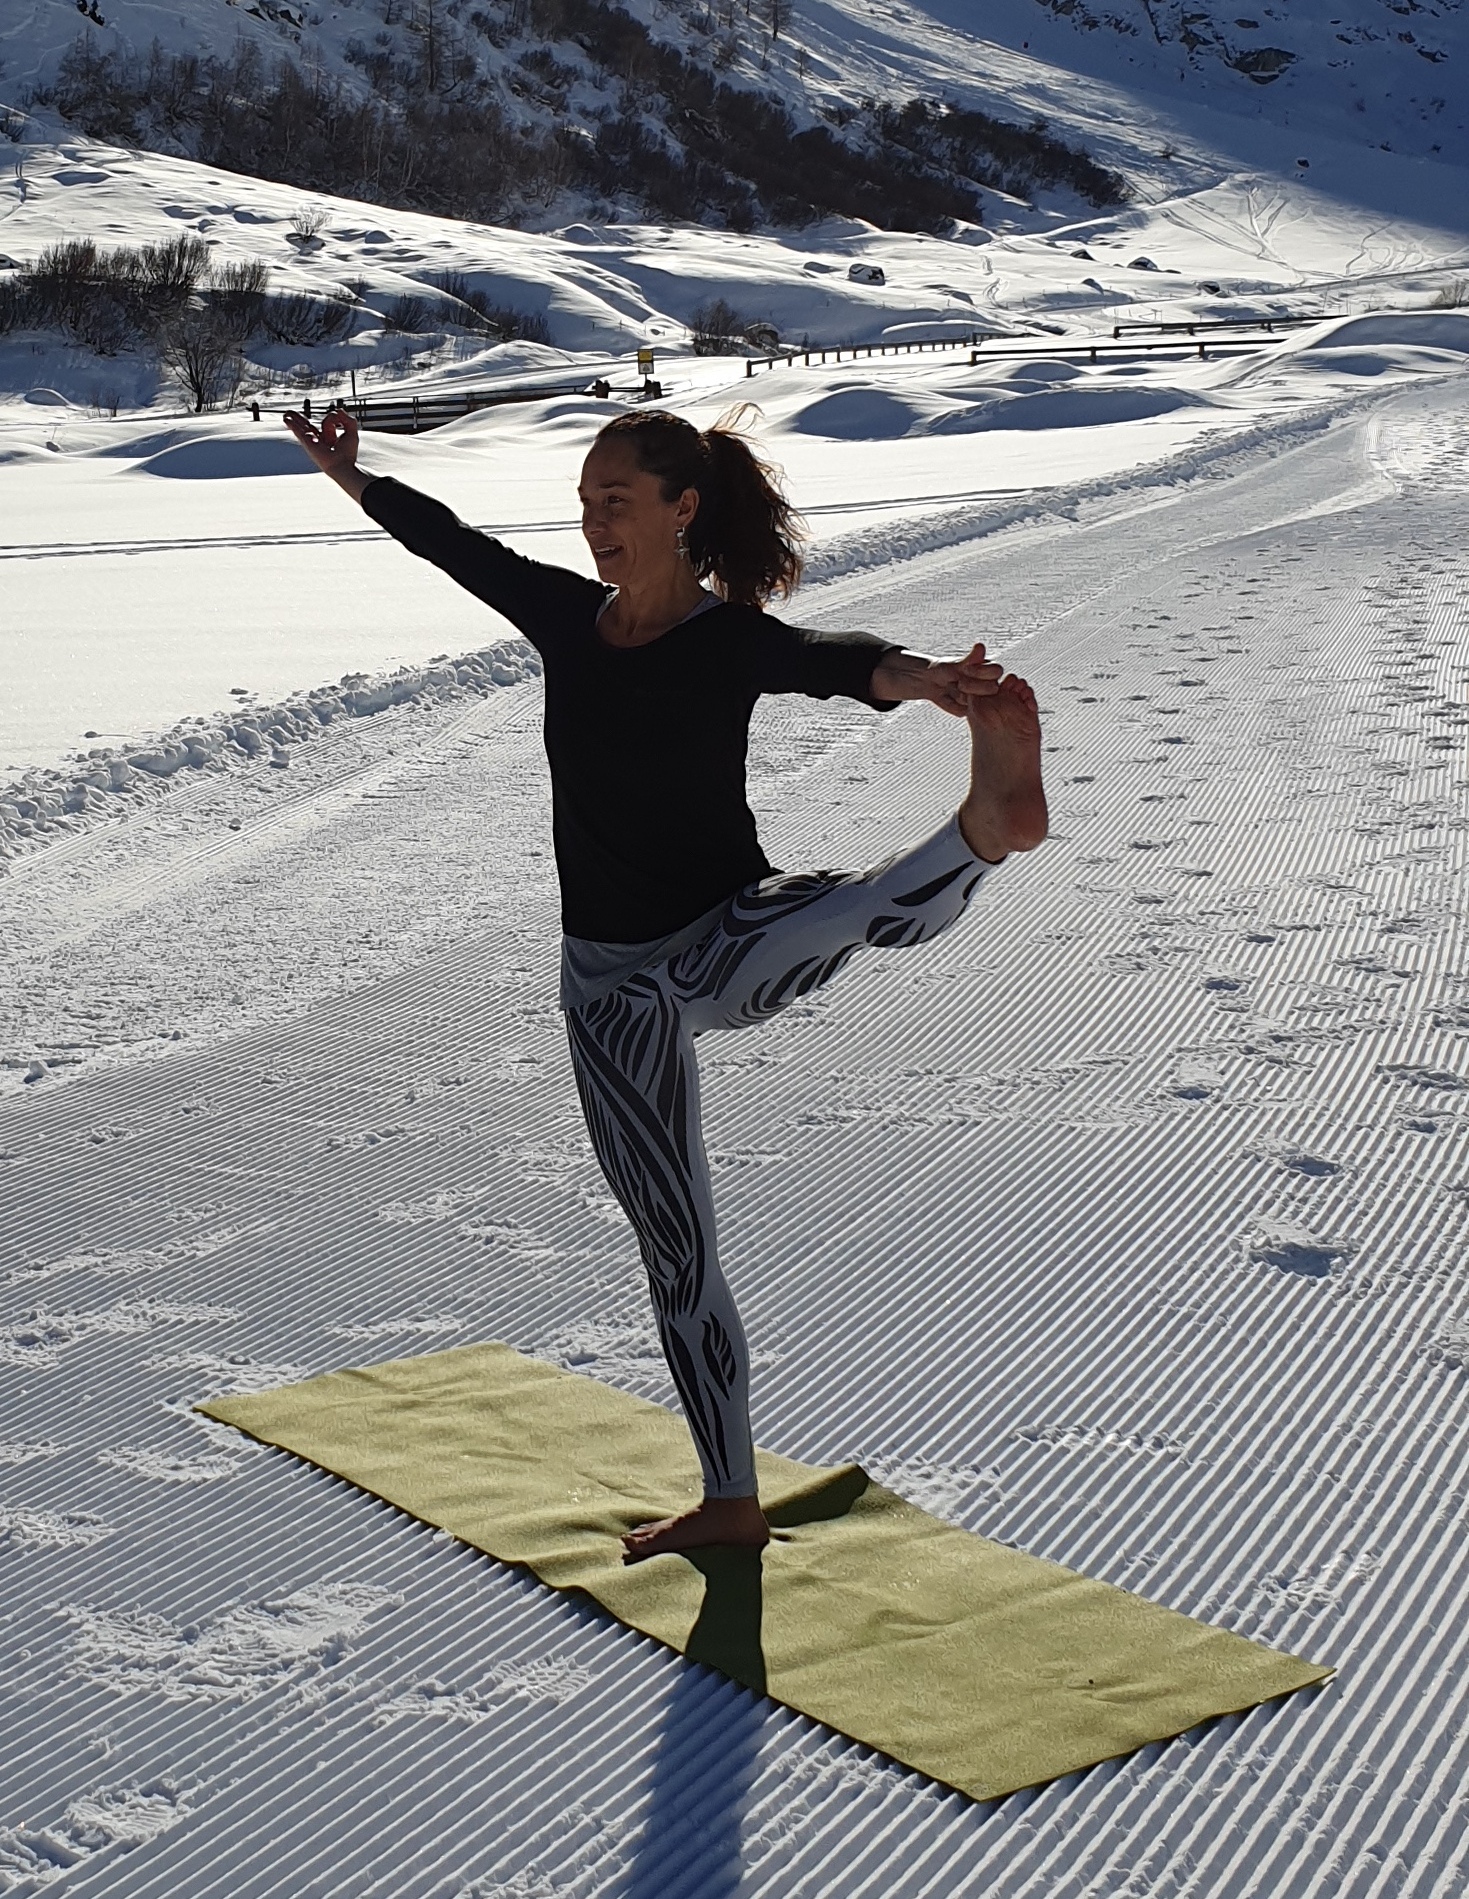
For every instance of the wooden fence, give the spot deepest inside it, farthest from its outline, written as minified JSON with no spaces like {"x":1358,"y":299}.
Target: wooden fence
{"x":1221,"y":346}
{"x":1268,"y":324}
{"x":849,"y":352}
{"x":409,"y":415}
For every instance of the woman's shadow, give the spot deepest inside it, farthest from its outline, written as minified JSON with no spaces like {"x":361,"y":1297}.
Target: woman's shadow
{"x":710,"y":1735}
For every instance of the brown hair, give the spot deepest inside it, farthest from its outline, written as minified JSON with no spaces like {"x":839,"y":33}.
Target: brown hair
{"x":746,"y":537}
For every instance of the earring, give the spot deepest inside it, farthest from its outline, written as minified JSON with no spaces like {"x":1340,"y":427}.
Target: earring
{"x":681,"y":537}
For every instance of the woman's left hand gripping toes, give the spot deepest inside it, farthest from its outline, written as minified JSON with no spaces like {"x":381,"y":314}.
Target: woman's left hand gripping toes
{"x":954,"y":683}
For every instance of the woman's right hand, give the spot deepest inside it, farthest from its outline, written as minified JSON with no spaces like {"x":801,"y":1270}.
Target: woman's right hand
{"x":333,"y":447}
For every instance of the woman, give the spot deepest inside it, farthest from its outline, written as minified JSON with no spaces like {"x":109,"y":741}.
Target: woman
{"x":674,"y":921}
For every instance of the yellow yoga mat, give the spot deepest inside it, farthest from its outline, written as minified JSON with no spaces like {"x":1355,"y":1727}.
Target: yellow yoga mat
{"x":982,"y":1667}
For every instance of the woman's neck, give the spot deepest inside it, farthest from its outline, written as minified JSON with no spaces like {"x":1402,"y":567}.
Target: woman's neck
{"x":637,"y":615}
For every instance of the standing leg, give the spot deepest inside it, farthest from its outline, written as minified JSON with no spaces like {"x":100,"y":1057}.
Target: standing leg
{"x":639,"y":1086}
{"x":633,"y":1053}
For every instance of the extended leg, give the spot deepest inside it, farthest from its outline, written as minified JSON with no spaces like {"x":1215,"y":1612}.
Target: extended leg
{"x":639,"y":1088}
{"x":783,"y":938}
{"x":780,"y":939}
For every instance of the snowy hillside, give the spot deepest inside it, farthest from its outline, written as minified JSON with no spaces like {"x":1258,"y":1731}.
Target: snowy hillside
{"x":1385,"y":73}
{"x":545,"y":109}
{"x":536,"y":109}
{"x":379,"y":294}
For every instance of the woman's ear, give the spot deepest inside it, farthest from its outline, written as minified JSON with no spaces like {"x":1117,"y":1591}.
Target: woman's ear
{"x":687,"y":508}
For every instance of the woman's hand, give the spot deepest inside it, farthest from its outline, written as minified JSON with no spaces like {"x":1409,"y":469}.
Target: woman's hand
{"x":950,"y":684}
{"x":333,"y":447}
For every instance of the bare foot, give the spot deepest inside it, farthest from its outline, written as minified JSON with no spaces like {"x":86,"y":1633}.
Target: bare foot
{"x":1006,"y":807}
{"x":738,"y":1520}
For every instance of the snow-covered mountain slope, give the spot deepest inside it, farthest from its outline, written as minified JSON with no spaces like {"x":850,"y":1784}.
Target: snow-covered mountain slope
{"x":1165,"y":94}
{"x":1249,"y":244}
{"x":1385,"y":73}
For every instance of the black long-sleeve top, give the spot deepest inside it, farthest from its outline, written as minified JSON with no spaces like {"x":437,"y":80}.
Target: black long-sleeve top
{"x":647,"y":743}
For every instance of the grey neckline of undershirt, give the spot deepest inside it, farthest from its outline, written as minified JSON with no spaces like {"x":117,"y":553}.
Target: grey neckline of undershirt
{"x":710,"y":599}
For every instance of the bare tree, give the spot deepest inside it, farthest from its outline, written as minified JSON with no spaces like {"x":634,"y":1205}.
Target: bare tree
{"x":423,"y":20}
{"x":204,"y":359}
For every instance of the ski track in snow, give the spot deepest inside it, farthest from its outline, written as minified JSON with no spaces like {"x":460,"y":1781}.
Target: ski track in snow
{"x":1124,"y":1224}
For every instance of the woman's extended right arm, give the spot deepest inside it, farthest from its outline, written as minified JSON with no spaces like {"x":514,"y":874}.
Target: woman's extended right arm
{"x":535,"y":598}
{"x":333,"y":447}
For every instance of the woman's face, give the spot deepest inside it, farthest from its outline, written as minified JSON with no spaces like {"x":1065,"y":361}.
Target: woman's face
{"x":631,"y":530}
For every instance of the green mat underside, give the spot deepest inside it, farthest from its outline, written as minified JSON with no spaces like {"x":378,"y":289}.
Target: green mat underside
{"x":987,"y":1669}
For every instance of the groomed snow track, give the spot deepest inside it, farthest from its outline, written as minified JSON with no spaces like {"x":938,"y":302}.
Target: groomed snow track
{"x":1126,"y":1224}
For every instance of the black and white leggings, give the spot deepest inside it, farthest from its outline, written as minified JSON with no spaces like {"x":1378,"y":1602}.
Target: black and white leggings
{"x":633,"y":1051}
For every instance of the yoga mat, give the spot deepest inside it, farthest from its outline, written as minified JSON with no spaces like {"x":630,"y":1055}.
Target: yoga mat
{"x":982,"y":1667}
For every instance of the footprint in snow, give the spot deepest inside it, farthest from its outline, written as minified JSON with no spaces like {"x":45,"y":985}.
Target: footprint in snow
{"x":1312,"y":1166}
{"x":1307,"y":1256}
{"x":372,"y":1137}
{"x":943,"y":1490}
{"x":551,"y":1678}
{"x":1369,"y":965}
{"x":168,"y":1467}
{"x":1450,"y":1347}
{"x":241,"y":1651}
{"x":24,"y":1453}
{"x":735,"y":1159}
{"x":1418,"y":1075}
{"x":113,"y":1816}
{"x":50,"y":1530}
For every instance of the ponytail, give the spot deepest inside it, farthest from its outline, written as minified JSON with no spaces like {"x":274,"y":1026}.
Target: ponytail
{"x":746,"y":537}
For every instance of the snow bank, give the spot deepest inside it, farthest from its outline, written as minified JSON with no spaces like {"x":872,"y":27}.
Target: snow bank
{"x":868,"y":414}
{"x":1216,"y":456}
{"x":47,"y":803}
{"x":1427,"y":329}
{"x":862,"y":415}
{"x":224,"y":460}
{"x":1067,"y":409}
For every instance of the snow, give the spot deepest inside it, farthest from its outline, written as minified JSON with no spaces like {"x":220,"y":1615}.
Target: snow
{"x":1140,"y":1197}
{"x":282,"y":587}
{"x":1185,"y":1099}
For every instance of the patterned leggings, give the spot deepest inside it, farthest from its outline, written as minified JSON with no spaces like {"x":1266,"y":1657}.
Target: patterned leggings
{"x":633,"y":1051}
